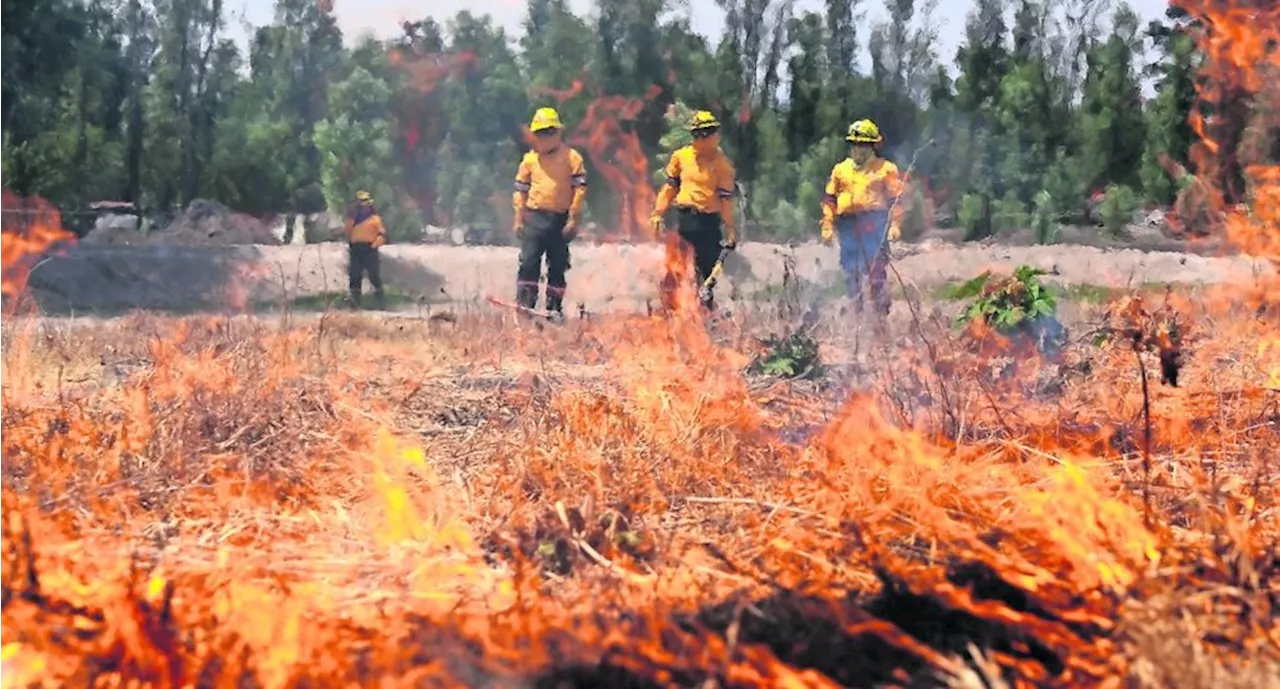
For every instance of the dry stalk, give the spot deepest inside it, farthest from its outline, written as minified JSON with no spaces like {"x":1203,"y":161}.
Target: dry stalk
{"x":1146,"y":433}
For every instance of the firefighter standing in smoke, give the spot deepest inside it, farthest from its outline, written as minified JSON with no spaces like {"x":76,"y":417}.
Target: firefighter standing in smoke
{"x":550,"y":186}
{"x":860,"y":193}
{"x":365,"y":235}
{"x":700,"y":180}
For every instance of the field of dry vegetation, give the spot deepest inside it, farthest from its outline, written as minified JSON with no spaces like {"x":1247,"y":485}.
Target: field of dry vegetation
{"x":617,"y":502}
{"x":624,"y":501}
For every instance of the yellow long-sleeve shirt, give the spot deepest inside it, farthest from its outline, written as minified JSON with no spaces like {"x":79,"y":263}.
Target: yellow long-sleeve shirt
{"x":555,"y":182}
{"x":367,"y":230}
{"x":701,"y":182}
{"x":852,"y":189}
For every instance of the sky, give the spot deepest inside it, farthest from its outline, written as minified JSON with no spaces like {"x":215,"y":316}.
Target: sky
{"x":382,"y":17}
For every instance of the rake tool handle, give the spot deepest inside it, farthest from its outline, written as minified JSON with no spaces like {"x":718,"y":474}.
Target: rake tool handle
{"x":717,"y":269}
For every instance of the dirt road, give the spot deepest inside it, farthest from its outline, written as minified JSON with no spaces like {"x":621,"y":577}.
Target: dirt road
{"x":111,"y":278}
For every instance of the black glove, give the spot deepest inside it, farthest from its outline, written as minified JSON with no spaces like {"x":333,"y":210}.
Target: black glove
{"x":729,"y":244}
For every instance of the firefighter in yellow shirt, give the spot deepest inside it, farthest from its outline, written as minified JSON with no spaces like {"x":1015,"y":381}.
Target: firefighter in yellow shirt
{"x":550,"y":187}
{"x":700,"y":181}
{"x":365,"y":235}
{"x":860,"y":208}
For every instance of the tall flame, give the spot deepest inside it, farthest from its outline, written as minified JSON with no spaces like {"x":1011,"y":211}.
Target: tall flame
{"x":605,"y":133}
{"x":30,"y":228}
{"x":1240,"y":44}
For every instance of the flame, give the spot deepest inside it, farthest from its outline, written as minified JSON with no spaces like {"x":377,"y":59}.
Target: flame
{"x":427,"y":71}
{"x":352,"y":501}
{"x":31,"y":228}
{"x":421,"y":126}
{"x":677,"y":262}
{"x":605,"y":134}
{"x":561,"y":95}
{"x":1240,"y":63}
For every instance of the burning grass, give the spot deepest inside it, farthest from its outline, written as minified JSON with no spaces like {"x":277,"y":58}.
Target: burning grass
{"x":212,"y":502}
{"x":617,"y":503}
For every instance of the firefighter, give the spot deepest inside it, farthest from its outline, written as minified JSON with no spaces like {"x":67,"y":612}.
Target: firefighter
{"x":860,"y":208}
{"x":700,"y":180}
{"x":550,"y":187}
{"x":365,"y":235}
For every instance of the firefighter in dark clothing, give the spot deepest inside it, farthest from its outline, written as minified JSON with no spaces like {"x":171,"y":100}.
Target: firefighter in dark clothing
{"x":700,"y":181}
{"x":365,"y":235}
{"x":550,"y":187}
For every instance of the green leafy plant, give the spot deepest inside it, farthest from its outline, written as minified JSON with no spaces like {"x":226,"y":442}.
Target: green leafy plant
{"x":1007,"y":304}
{"x":792,"y":356}
{"x":1118,"y":206}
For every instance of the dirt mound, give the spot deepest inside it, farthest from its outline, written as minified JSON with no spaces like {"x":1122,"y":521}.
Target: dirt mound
{"x":204,"y":223}
{"x":209,"y":222}
{"x":116,"y":229}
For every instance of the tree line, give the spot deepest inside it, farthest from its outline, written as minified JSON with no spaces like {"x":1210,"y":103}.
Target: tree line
{"x":1039,"y":119}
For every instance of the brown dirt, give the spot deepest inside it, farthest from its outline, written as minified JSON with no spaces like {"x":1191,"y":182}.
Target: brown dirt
{"x":602,"y":277}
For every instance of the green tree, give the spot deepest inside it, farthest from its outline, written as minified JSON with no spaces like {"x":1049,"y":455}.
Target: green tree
{"x":902,"y":64}
{"x":355,"y":138}
{"x":806,"y":72}
{"x":39,"y":40}
{"x":483,"y":140}
{"x":1168,"y":123}
{"x":984,"y":62}
{"x":151,"y":102}
{"x":1112,"y":130}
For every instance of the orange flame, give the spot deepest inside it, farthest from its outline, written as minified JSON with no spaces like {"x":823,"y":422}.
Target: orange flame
{"x":655,"y":522}
{"x":426,"y":72}
{"x":616,"y":154}
{"x":1238,"y":41}
{"x":31,"y":227}
{"x":421,"y":128}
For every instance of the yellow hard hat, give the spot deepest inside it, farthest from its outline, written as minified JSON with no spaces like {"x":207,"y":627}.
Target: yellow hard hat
{"x":545,"y":118}
{"x":364,"y":197}
{"x":703,"y":119}
{"x":864,"y":132}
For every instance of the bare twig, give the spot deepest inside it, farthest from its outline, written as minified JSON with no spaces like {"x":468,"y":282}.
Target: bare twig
{"x":1146,"y":435}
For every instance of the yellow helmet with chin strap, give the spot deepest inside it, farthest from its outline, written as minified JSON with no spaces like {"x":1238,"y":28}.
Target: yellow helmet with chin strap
{"x":703,"y":119}
{"x":545,"y":118}
{"x":364,"y":197}
{"x":864,"y":132}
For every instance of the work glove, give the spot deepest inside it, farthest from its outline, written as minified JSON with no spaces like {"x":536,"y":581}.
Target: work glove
{"x":570,"y":229}
{"x":657,"y":224}
{"x":730,"y":243}
{"x":828,"y":233}
{"x":895,"y":232}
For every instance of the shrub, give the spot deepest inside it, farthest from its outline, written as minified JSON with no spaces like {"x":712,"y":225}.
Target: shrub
{"x":791,"y":356}
{"x":915,"y":213}
{"x":1044,"y":219}
{"x":974,"y":217}
{"x":1010,"y":213}
{"x":309,"y":199}
{"x":1006,"y":304}
{"x":1118,"y":206}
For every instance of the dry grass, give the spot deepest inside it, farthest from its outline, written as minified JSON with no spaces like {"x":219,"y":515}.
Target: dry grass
{"x":252,"y":502}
